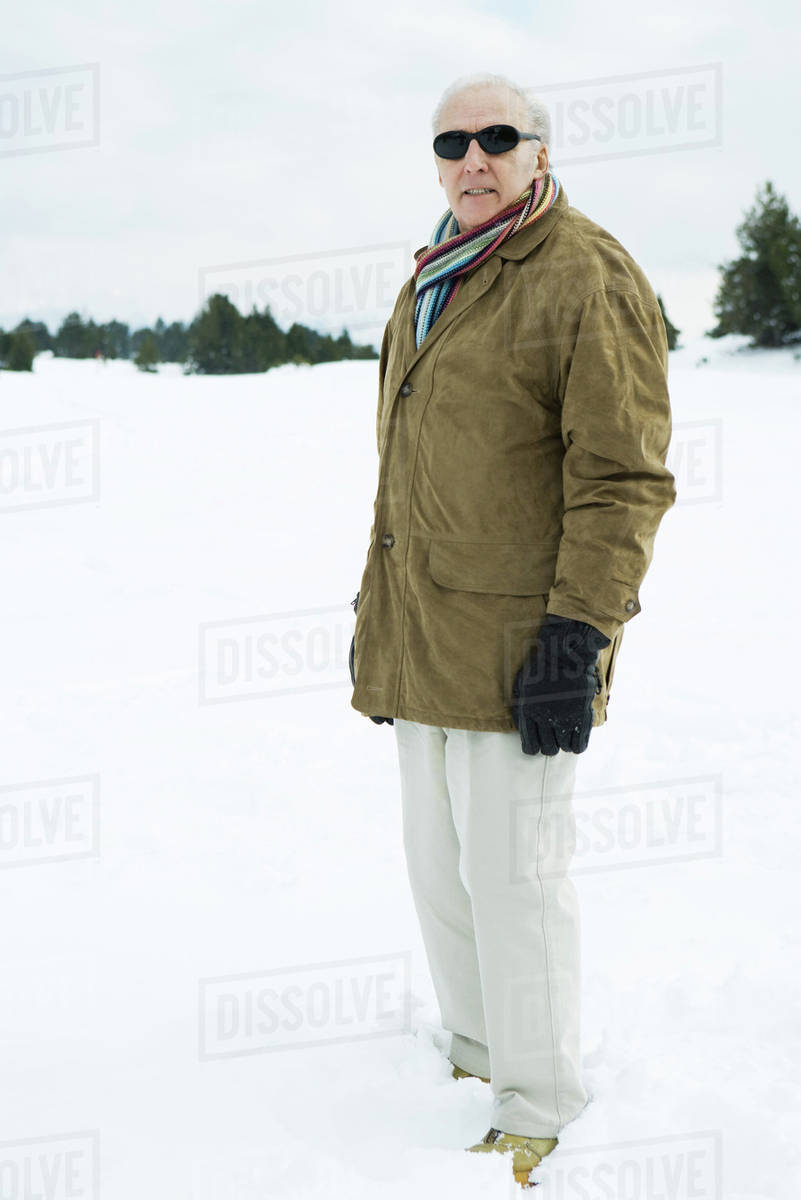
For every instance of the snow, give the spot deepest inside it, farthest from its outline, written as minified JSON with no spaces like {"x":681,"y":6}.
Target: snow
{"x":248,"y":822}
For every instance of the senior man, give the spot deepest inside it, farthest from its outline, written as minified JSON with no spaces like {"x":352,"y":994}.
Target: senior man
{"x":522,"y":430}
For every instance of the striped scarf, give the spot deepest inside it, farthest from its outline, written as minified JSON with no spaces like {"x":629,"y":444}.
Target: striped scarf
{"x":450,"y":255}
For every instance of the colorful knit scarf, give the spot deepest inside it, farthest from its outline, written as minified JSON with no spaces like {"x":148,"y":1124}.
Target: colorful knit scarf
{"x":450,"y":255}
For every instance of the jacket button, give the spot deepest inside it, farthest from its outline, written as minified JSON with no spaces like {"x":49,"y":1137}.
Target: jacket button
{"x":388,"y":541}
{"x":629,"y":605}
{"x":407,"y":389}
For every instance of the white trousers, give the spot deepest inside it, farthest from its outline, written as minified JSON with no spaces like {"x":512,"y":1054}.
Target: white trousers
{"x":489,"y":833}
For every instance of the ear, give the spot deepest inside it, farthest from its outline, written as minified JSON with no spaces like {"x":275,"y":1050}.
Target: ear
{"x":542,"y":162}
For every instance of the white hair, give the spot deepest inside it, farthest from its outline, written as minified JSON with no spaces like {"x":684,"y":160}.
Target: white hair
{"x":538,"y":119}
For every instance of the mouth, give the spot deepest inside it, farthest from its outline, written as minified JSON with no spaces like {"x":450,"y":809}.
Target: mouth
{"x":478,"y":192}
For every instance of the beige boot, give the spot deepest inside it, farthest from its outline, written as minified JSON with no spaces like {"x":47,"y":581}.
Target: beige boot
{"x":458,"y":1073}
{"x":526,"y":1152}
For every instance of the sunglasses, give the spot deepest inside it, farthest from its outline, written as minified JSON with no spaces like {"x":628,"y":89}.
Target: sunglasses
{"x":495,"y":139}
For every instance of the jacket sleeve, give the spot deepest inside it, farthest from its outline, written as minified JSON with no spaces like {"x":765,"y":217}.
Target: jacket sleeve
{"x":616,"y":428}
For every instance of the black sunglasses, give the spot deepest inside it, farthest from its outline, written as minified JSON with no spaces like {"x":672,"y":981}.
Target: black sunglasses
{"x":495,"y":139}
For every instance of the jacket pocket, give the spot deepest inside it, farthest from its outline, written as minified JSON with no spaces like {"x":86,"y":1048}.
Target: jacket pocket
{"x":507,"y":569}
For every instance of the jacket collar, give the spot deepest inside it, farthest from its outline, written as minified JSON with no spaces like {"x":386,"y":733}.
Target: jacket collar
{"x":478,"y":280}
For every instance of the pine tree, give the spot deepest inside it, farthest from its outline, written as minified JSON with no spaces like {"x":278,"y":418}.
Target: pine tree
{"x":670,"y":329}
{"x":348,"y":349}
{"x":38,"y":331}
{"x":148,"y":353}
{"x":20,"y":351}
{"x":173,"y":343}
{"x":71,"y":341}
{"x":263,"y":342}
{"x":115,"y":340}
{"x":760,"y":292}
{"x":216,"y":338}
{"x":94,"y":340}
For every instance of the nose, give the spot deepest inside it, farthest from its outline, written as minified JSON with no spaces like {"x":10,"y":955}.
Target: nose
{"x":475,"y":159}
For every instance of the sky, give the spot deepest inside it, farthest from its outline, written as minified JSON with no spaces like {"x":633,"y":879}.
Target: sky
{"x":282,"y":153}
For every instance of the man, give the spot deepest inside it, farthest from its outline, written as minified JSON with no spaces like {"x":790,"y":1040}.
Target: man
{"x":522,"y":430}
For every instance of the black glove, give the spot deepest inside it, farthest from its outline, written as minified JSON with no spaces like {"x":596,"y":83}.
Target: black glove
{"x":554,"y":689}
{"x":377,"y":720}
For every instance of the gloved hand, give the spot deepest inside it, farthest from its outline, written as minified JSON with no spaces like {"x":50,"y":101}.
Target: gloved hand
{"x":377,"y":720}
{"x":554,"y":689}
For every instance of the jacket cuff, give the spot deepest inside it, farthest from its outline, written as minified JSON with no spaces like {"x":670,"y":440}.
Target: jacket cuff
{"x":590,"y":633}
{"x":613,"y":602}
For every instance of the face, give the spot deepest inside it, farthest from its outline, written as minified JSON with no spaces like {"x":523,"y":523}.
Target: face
{"x":480,"y":185}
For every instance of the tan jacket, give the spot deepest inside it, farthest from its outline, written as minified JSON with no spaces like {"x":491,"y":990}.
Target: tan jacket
{"x":522,"y":470}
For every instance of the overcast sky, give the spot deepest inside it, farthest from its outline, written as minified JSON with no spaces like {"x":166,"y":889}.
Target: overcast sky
{"x":202,"y":142}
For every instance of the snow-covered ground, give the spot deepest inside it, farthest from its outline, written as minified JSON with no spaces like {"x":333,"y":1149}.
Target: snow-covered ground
{"x":212,"y":985}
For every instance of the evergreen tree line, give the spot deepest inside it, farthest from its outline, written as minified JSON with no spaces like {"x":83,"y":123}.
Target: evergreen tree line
{"x":759,"y":295}
{"x":219,"y":341}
